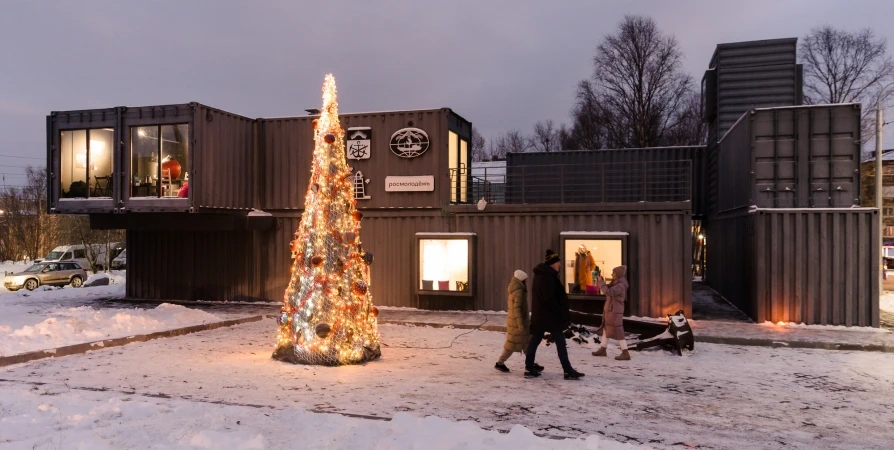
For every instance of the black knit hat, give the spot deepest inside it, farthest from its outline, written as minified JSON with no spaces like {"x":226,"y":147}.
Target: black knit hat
{"x":551,"y":258}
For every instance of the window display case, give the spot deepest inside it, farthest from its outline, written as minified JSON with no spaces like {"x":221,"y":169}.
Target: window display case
{"x":160,"y":161}
{"x":86,"y":163}
{"x":590,"y":256}
{"x":445,"y":263}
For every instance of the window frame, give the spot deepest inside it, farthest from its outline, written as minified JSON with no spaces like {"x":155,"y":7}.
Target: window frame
{"x":565,"y":236}
{"x":470,"y":238}
{"x":58,"y":162}
{"x":130,"y":129}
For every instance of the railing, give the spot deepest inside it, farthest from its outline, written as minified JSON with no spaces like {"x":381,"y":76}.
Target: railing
{"x":628,"y":182}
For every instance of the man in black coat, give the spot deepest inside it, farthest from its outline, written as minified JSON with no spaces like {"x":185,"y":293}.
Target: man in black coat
{"x":549,"y":314}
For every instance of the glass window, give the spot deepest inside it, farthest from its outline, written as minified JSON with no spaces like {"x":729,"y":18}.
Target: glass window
{"x":86,"y":163}
{"x":453,"y":163}
{"x":80,"y":254}
{"x":464,"y":173}
{"x":444,"y":265}
{"x":586,"y":260}
{"x":159,"y":161}
{"x":67,"y":255}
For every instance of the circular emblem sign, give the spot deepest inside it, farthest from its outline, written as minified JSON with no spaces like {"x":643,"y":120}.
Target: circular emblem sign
{"x":409,"y":142}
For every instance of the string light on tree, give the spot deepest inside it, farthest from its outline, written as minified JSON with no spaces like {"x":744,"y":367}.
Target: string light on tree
{"x":328,"y":316}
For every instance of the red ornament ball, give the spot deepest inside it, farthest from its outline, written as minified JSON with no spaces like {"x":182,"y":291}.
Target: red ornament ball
{"x":329,"y":138}
{"x":375,"y":311}
{"x":350,"y":237}
{"x":360,"y":288}
{"x":173,"y":167}
{"x":358,"y":215}
{"x":323,"y":330}
{"x":315,"y":123}
{"x":316,"y":261}
{"x":315,"y":187}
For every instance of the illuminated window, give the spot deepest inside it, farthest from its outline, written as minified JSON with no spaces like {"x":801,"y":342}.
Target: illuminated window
{"x":86,"y":163}
{"x":589,"y":256}
{"x":159,"y":161}
{"x":464,"y":171}
{"x":445,"y":261}
{"x":453,"y":163}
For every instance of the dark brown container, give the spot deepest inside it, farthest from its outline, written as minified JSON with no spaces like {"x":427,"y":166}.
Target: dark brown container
{"x":288,"y":147}
{"x":794,"y":157}
{"x":797,"y":265}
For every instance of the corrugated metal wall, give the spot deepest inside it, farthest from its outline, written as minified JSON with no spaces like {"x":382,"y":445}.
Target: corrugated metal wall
{"x":192,"y":265}
{"x":813,"y":266}
{"x":756,"y":74}
{"x":817,"y":267}
{"x":288,"y":149}
{"x":225,"y":160}
{"x":695,"y":154}
{"x":659,"y":253}
{"x":794,"y":157}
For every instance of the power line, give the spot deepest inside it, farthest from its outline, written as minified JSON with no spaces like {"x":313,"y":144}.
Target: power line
{"x":22,"y":157}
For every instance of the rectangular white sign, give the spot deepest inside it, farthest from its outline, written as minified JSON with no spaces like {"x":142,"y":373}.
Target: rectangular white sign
{"x":424,"y":183}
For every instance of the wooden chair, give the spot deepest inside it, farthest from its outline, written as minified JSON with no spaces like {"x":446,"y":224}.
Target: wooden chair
{"x":167,"y":186}
{"x":102,"y":186}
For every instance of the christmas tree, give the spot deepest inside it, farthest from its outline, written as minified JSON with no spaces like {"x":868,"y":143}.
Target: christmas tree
{"x":328,"y":316}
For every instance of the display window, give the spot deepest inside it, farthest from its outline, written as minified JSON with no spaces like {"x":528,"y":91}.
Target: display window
{"x":86,"y":163}
{"x":160,"y":161}
{"x":589,"y":257}
{"x":445,"y":263}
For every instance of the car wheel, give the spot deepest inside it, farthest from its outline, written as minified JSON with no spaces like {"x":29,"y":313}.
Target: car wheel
{"x":77,"y":281}
{"x":31,"y":284}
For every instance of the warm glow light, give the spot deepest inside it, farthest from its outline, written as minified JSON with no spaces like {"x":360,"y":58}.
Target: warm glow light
{"x":141,"y":132}
{"x":701,"y":236}
{"x":445,"y":260}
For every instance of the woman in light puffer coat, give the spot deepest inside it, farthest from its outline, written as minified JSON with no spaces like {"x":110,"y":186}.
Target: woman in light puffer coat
{"x":613,"y":313}
{"x":518,"y":321}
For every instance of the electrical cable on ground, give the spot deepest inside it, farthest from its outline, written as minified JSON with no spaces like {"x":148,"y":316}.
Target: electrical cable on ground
{"x":477,"y":328}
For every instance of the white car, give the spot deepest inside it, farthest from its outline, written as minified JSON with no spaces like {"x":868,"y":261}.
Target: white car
{"x":120,"y":261}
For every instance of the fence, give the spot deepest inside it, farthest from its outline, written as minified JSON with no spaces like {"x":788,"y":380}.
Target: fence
{"x":627,"y":182}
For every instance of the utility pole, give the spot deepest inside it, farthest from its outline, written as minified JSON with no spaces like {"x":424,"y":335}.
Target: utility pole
{"x":878,"y":197}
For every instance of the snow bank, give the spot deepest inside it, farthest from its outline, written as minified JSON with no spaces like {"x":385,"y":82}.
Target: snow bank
{"x":886,"y":302}
{"x":822,"y":327}
{"x":68,"y":326}
{"x":53,"y":417}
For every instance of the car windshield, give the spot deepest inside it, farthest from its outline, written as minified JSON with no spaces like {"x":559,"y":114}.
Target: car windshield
{"x":54,"y":256}
{"x":122,"y":255}
{"x":35,"y":268}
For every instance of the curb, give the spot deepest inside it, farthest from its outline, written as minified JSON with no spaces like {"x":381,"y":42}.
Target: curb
{"x":748,"y":342}
{"x":117,"y":342}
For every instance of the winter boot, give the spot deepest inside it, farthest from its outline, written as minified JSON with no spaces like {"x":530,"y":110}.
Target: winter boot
{"x":624,"y":356}
{"x":573,"y":375}
{"x":600,"y":352}
{"x":530,"y":373}
{"x":538,"y":367}
{"x":501,"y":367}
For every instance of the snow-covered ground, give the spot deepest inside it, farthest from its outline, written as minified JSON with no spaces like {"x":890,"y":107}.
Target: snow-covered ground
{"x":58,"y":417}
{"x":719,"y":396}
{"x":50,"y":317}
{"x":886,"y":302}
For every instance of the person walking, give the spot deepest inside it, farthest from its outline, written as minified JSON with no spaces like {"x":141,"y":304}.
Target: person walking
{"x":613,"y":313}
{"x":518,"y":321}
{"x":549,"y":313}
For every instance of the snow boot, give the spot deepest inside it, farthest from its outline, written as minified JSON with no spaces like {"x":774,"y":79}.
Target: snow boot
{"x":538,"y":367}
{"x":600,"y":352}
{"x":624,"y":356}
{"x":573,"y":375}
{"x":501,"y":367}
{"x":531,"y":374}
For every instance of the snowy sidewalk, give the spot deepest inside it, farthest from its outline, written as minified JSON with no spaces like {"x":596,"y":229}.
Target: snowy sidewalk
{"x":720,"y":396}
{"x":706,"y":331}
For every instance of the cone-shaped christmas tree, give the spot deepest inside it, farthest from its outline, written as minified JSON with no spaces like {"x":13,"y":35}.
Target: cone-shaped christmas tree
{"x":328,"y":317}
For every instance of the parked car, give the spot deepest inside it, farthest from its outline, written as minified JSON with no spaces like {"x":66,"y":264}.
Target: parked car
{"x":120,"y":261}
{"x":59,"y":273}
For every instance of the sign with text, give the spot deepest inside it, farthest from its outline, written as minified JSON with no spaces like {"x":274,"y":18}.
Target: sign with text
{"x":424,"y":183}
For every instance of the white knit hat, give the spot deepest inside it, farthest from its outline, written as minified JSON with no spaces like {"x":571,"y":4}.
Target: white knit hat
{"x":520,"y":275}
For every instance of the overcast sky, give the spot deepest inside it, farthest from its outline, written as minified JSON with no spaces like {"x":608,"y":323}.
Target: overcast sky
{"x":500,"y":64}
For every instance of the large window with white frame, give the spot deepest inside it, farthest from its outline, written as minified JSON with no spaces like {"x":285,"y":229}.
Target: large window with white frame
{"x":588,"y":258}
{"x":445,"y":263}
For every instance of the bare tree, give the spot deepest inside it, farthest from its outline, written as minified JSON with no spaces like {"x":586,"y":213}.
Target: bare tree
{"x":546,"y":137}
{"x":28,"y":231}
{"x":588,"y":126}
{"x":479,"y":146}
{"x":690,"y":129}
{"x":511,"y":142}
{"x":843,"y":67}
{"x":638,"y":86}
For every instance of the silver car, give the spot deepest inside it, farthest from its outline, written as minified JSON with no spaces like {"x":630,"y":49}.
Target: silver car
{"x":57,"y":273}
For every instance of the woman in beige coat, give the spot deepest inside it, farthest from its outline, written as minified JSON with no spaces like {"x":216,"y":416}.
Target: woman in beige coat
{"x":518,"y":322}
{"x":613,"y":313}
